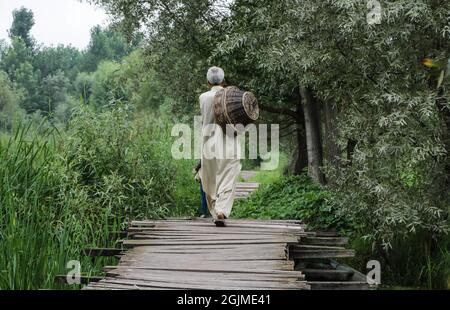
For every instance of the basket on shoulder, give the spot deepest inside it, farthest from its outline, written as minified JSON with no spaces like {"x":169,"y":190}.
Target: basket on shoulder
{"x":233,"y":107}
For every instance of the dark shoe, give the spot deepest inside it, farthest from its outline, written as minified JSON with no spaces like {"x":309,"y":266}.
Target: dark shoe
{"x":220,"y":221}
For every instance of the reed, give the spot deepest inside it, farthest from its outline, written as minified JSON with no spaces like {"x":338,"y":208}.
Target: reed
{"x":65,"y":190}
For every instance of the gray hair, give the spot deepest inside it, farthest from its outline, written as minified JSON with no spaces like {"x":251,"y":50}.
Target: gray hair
{"x":215,"y":75}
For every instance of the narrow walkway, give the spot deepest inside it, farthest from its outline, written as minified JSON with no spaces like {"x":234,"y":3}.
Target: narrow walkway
{"x":244,"y":189}
{"x":194,"y":254}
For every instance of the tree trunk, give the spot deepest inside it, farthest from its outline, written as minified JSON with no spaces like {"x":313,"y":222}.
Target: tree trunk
{"x":331,"y":135}
{"x":300,"y":156}
{"x":351,"y":144}
{"x":313,"y":141}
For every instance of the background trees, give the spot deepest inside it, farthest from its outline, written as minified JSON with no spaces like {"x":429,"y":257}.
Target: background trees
{"x":51,"y":79}
{"x":105,"y":44}
{"x":9,"y":103}
{"x":23,"y":21}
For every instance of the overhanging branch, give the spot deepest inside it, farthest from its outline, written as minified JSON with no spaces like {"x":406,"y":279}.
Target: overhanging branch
{"x":277,"y":110}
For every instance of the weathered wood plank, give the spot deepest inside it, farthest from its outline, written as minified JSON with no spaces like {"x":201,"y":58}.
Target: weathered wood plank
{"x":147,"y":242}
{"x":203,"y":278}
{"x":192,"y":271}
{"x":249,"y":223}
{"x":325,"y":240}
{"x":223,"y":239}
{"x":247,"y":184}
{"x":326,"y":275}
{"x":247,"y":174}
{"x":215,"y":231}
{"x":302,"y":254}
{"x":318,"y":285}
{"x":236,"y":285}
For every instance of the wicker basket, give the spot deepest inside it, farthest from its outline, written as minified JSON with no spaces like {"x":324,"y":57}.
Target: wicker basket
{"x":233,"y":106}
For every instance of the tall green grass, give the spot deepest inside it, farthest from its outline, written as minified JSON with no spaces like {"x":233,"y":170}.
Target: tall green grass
{"x":62,"y":191}
{"x":29,"y":188}
{"x":414,"y":262}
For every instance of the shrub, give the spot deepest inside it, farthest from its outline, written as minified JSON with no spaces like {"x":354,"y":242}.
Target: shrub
{"x":294,"y":197}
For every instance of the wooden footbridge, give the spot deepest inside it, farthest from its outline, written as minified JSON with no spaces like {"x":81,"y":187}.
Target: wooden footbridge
{"x":247,"y":254}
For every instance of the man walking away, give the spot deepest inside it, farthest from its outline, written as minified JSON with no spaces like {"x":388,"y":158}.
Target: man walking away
{"x":219,"y":170}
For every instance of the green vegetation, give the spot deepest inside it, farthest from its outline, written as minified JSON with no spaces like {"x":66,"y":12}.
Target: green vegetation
{"x":295,"y":197}
{"x":81,"y":154}
{"x":64,"y":191}
{"x":298,"y":197}
{"x":85,"y":135}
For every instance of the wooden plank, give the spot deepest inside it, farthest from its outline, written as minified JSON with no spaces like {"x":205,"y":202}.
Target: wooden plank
{"x":318,"y":285}
{"x":215,"y":280}
{"x":212,"y":247}
{"x":326,"y":274}
{"x":212,"y":271}
{"x":290,"y":223}
{"x":325,"y":240}
{"x":302,"y":254}
{"x":316,"y":247}
{"x":251,"y":266}
{"x":218,"y":231}
{"x":245,"y":190}
{"x":217,"y":255}
{"x":247,"y":184}
{"x":115,"y":286}
{"x":246,"y":175}
{"x":147,"y":242}
{"x":326,"y":234}
{"x":292,"y":273}
{"x":236,"y":285}
{"x":230,"y":225}
{"x":223,"y":238}
{"x":191,"y":233}
{"x":200,"y":256}
{"x":202,"y":276}
{"x":206,"y":255}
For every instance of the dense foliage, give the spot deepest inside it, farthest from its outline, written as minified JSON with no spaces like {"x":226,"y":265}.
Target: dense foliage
{"x":356,"y":105}
{"x":46,"y":77}
{"x":62,"y":192}
{"x":294,"y":197}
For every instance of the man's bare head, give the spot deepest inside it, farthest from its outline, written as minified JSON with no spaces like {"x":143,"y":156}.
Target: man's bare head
{"x":215,"y":76}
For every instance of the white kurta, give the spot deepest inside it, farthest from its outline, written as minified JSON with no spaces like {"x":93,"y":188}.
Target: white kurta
{"x":219,"y":170}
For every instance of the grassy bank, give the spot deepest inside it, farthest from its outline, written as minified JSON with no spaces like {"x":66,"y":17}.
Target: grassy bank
{"x":67,"y":189}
